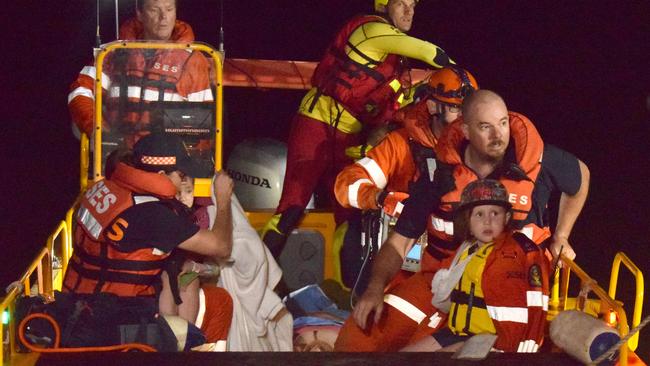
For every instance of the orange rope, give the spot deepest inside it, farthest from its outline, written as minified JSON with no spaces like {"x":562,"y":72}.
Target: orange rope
{"x":57,"y":339}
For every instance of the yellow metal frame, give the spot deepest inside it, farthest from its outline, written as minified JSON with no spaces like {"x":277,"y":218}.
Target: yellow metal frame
{"x":84,"y":161}
{"x":60,"y":241}
{"x":201,"y":185}
{"x":560,"y":301}
{"x":46,"y":283}
{"x":620,"y":257}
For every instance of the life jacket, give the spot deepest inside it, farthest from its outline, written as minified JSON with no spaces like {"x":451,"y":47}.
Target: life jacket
{"x":421,"y":141}
{"x":468,"y":314}
{"x":371,"y":92}
{"x":518,"y":177}
{"x":142,"y":79}
{"x":98,"y":264}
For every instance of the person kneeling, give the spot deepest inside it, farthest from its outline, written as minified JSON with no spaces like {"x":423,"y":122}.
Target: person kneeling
{"x":497,"y":283}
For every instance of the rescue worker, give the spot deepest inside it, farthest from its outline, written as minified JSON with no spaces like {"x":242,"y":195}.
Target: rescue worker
{"x":381,"y":179}
{"x":498,"y":281}
{"x":358,"y":84}
{"x":128,"y":225}
{"x":487,"y":142}
{"x":137,"y":81}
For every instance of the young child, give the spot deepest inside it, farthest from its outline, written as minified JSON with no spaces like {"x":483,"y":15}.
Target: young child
{"x":202,"y":303}
{"x":191,"y":269}
{"x":498,"y":281}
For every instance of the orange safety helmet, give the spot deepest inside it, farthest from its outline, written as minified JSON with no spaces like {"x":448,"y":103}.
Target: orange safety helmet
{"x":450,"y":85}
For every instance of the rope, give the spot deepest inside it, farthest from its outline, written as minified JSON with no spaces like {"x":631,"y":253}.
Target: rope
{"x":57,"y":340}
{"x":623,"y":340}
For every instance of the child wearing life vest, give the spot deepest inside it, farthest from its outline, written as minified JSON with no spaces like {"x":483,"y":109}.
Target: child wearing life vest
{"x":497,"y":283}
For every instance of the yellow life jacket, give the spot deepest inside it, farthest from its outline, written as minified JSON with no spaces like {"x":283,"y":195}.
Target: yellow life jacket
{"x":468,"y":314}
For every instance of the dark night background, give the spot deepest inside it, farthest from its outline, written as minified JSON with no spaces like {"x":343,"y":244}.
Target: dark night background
{"x":578,"y":69}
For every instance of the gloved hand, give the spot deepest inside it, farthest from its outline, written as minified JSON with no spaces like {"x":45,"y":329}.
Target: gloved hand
{"x":443,"y":179}
{"x":424,"y":198}
{"x":426,"y":189}
{"x":391,"y":202}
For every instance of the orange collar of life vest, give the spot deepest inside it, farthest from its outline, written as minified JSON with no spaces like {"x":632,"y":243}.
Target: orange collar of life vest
{"x":528,"y":143}
{"x":143,"y":182}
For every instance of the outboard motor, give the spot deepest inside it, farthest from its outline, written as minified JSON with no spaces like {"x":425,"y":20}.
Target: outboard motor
{"x":258,"y":166}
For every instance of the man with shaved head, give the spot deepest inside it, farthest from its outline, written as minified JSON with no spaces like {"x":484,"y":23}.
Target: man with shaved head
{"x":488,"y":141}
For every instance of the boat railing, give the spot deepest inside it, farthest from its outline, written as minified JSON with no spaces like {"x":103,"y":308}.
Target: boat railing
{"x":42,"y":277}
{"x":619,"y":259}
{"x":608,"y":304}
{"x":202,"y":185}
{"x":45,"y":273}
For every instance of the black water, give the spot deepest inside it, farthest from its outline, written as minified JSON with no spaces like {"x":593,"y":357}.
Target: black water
{"x":577,"y":69}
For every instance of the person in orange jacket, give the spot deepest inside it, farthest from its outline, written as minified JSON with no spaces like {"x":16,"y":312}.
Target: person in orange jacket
{"x":359,"y":84}
{"x":498,"y":282}
{"x":134,"y":84}
{"x":487,"y":142}
{"x":381,"y":178}
{"x":129,"y":223}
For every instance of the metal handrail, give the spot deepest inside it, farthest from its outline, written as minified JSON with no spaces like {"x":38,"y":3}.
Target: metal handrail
{"x":42,"y":265}
{"x":623,"y":327}
{"x":66,"y":249}
{"x":638,"y":299}
{"x":84,"y":161}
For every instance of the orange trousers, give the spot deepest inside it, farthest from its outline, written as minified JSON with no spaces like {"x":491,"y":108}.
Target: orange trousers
{"x":396,"y":329}
{"x":215,"y":313}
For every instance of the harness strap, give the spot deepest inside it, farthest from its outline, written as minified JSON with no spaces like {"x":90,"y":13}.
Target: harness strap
{"x":435,"y":252}
{"x":160,"y":84}
{"x":363,"y":55}
{"x":103,"y":268}
{"x":118,"y":264}
{"x":315,"y":100}
{"x":460,"y":297}
{"x":440,"y":243}
{"x":135,"y":279}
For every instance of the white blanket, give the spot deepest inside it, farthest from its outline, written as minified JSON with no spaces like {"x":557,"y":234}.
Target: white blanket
{"x":249,"y":275}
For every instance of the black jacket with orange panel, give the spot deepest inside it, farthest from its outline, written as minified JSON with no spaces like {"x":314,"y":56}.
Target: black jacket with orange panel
{"x":99,"y":263}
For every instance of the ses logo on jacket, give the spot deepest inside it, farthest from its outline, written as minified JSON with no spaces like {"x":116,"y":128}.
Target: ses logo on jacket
{"x":165,"y":67}
{"x":518,"y":199}
{"x":100,"y":197}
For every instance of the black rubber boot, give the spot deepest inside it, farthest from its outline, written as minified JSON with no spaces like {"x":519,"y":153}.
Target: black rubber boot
{"x":275,"y":240}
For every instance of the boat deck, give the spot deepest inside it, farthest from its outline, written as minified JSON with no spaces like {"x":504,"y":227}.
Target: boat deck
{"x":296,"y":358}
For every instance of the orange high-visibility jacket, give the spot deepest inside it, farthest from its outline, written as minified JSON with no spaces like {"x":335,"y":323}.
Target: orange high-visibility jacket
{"x":504,"y":291}
{"x":168,"y":75}
{"x":97,"y":265}
{"x":388,"y":166}
{"x":528,"y":147}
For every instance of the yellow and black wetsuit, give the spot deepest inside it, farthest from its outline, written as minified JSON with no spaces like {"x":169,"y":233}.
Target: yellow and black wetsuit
{"x":358,"y":82}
